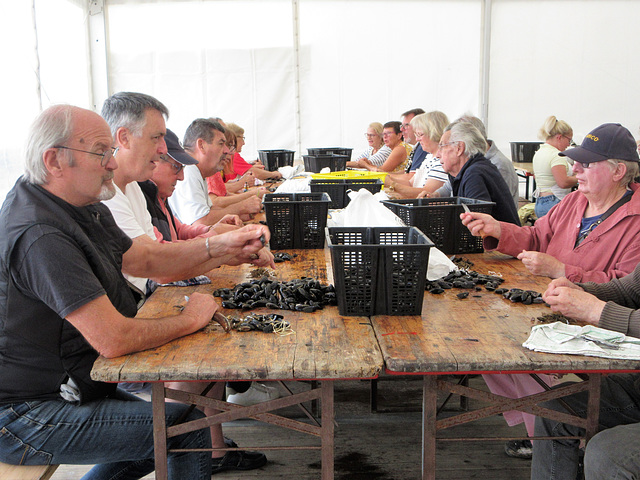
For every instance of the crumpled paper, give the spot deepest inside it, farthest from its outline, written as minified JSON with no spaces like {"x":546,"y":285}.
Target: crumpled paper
{"x":593,"y":341}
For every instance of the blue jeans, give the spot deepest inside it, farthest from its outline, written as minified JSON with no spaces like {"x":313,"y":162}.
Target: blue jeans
{"x":544,"y":204}
{"x":614,"y":454}
{"x":115,"y":434}
{"x":558,"y":459}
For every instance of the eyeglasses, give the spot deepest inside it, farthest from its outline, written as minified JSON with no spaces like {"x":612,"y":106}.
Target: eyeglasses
{"x":442,"y":145}
{"x":106,"y":156}
{"x":586,"y":165}
{"x":232,"y":148}
{"x":371,"y":135}
{"x":388,"y":134}
{"x":405,"y":125}
{"x":571,"y":142}
{"x":177,"y":167}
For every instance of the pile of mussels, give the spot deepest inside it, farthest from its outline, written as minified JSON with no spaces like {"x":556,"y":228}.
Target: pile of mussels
{"x":472,"y":280}
{"x":303,"y":294}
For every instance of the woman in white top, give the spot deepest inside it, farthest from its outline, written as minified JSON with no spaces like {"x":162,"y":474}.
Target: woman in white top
{"x":377,"y":153}
{"x":553,"y":174}
{"x":428,"y":128}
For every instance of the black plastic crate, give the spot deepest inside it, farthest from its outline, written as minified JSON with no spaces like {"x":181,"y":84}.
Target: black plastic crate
{"x":315,"y":163}
{"x":522,"y":152}
{"x":331,"y":151}
{"x":274,"y":159}
{"x":439,"y":219}
{"x":338,"y":188}
{"x":379,"y":270}
{"x":296,"y":220}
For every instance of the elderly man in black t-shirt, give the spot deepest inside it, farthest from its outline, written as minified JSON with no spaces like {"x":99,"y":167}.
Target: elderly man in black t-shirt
{"x":63,"y":301}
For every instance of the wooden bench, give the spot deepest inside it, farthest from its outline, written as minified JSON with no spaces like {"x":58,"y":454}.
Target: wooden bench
{"x":26,"y":472}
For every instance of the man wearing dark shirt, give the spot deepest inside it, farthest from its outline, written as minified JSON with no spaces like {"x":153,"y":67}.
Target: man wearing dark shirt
{"x":63,"y":301}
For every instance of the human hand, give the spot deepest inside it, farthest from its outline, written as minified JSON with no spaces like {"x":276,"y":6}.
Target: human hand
{"x":481,"y":224}
{"x":250,"y":205}
{"x":261,"y":191}
{"x":200,"y":309}
{"x":241,"y":245}
{"x":574,"y":303}
{"x":540,"y":263}
{"x":264,"y":258}
{"x":230,"y":219}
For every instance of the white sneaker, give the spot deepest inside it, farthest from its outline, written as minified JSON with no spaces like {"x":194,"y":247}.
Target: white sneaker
{"x":257,"y":393}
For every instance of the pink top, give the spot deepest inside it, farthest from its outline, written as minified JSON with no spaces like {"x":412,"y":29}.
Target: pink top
{"x":216,"y":185}
{"x":184,"y":231}
{"x":612,"y":249}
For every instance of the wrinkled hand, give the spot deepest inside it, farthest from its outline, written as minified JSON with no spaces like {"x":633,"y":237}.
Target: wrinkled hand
{"x":481,"y":224}
{"x":239,"y":246}
{"x":425,"y":194}
{"x":542,"y":264}
{"x":230,"y":220}
{"x":573,"y":302}
{"x":250,"y":206}
{"x":264,"y":258}
{"x":200,"y":308}
{"x":261,"y":191}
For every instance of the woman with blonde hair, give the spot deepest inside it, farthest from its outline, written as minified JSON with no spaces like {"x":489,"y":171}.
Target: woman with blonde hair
{"x":377,"y":152}
{"x":428,"y":128}
{"x":553,"y":174}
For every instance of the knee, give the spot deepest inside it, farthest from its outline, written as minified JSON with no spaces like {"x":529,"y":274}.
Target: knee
{"x":613,"y":452}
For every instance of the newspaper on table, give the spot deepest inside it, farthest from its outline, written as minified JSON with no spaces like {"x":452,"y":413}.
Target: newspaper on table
{"x":588,"y":340}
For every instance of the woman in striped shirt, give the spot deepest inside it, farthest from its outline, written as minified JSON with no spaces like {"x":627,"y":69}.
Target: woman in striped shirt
{"x":377,"y":153}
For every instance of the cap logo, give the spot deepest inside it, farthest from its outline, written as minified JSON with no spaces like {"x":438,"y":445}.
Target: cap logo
{"x":593,"y":137}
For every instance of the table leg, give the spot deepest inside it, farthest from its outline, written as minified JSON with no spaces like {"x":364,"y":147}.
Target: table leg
{"x":327,"y":435}
{"x":429,"y":408}
{"x":159,"y":430}
{"x":593,"y":407}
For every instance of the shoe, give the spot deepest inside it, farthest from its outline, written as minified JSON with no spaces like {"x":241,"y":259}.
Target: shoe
{"x":519,"y":449}
{"x":257,"y":393}
{"x":238,"y":460}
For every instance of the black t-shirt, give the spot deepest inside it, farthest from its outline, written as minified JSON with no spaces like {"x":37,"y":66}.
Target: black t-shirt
{"x":55,"y":259}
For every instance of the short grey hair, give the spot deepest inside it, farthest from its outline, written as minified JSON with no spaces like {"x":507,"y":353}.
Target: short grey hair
{"x":633,"y":170}
{"x":476,"y":122}
{"x":203,"y":128}
{"x":54,"y":126}
{"x":474,"y":142}
{"x":128,"y":109}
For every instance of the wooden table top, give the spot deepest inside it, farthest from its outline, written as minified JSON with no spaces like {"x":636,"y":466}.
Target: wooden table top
{"x":526,"y":167}
{"x":325,"y":345}
{"x":482,"y":333}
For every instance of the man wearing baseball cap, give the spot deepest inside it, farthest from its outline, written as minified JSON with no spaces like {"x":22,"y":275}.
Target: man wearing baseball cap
{"x":613,"y":306}
{"x":608,"y":141}
{"x":168,"y":172}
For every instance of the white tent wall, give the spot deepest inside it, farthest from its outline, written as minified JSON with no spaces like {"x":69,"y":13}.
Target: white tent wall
{"x":577,"y":60}
{"x":38,"y":70}
{"x":311,"y":73}
{"x":364,"y":61}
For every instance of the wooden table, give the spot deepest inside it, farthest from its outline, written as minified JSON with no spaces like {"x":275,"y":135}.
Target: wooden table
{"x":525,"y":170}
{"x":325,"y":347}
{"x":483,"y":334}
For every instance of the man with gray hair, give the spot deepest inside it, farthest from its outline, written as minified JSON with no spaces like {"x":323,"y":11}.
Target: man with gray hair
{"x":461,"y":152}
{"x":64,"y":301}
{"x":205,"y":141}
{"x":495,"y":156}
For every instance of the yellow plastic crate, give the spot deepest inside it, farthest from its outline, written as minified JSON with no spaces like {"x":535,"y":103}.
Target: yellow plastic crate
{"x":350,"y":174}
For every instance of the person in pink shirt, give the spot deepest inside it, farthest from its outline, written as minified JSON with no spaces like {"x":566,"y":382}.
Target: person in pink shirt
{"x":240,"y":166}
{"x":592,"y":235}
